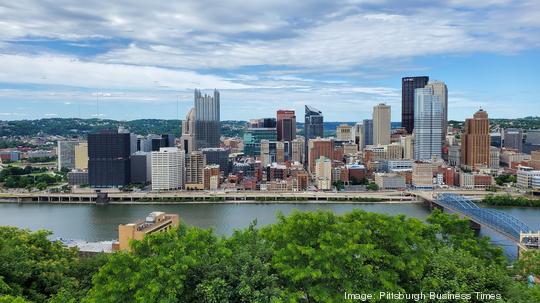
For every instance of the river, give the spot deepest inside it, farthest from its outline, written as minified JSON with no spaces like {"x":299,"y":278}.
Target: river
{"x":100,"y":222}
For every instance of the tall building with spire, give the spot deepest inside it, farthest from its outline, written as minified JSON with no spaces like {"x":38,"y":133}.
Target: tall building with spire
{"x":313,"y":127}
{"x":207,"y":120}
{"x":188,"y":126}
{"x":475,"y":140}
{"x":381,"y":124}
{"x":427,"y":124}
{"x":408,"y":85}
{"x":440,"y":89}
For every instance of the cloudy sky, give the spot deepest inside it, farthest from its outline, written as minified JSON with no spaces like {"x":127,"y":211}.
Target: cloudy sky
{"x":142,"y":59}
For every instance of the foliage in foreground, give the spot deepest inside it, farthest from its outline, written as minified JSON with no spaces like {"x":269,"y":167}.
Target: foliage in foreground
{"x":304,"y":257}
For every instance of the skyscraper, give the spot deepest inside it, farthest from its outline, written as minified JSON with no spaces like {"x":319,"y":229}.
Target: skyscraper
{"x":207,"y":120}
{"x":408,"y":85}
{"x":513,"y":139}
{"x":188,"y":126}
{"x":109,"y":159}
{"x":367,"y":132}
{"x":475,"y":141}
{"x":381,"y":124}
{"x":66,"y":154}
{"x":167,"y":169}
{"x":427,"y":124}
{"x":313,"y":127}
{"x":317,"y":148}
{"x":286,"y":125}
{"x":195,"y":163}
{"x":439,"y":89}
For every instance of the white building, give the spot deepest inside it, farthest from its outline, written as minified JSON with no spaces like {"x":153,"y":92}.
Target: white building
{"x":323,"y":173}
{"x":167,"y":169}
{"x":494,"y":157}
{"x":66,"y":154}
{"x":344,"y":132}
{"x":390,"y":181}
{"x":525,"y":176}
{"x":427,"y":125}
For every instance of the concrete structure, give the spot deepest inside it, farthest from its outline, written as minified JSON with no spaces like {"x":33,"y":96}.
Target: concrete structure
{"x":513,"y":139}
{"x":494,"y":157}
{"x":407,"y":143}
{"x":66,"y":154}
{"x":525,"y":176}
{"x":454,"y":155}
{"x":381,"y":124}
{"x":427,"y":125}
{"x":323,"y":173}
{"x":297,"y":150}
{"x":344,"y":132}
{"x":81,"y":156}
{"x":211,"y":177}
{"x":207,"y":120}
{"x":274,"y":152}
{"x":422,"y":176}
{"x":319,"y":147}
{"x":535,"y":160}
{"x":390,"y":181}
{"x":141,"y":167}
{"x":286,"y":125}
{"x":195,"y":164}
{"x":408,"y":85}
{"x":167,"y":169}
{"x":475,"y":141}
{"x":440,"y":89}
{"x":188,"y":132}
{"x":155,"y":222}
{"x":509,"y":157}
{"x":40,"y":154}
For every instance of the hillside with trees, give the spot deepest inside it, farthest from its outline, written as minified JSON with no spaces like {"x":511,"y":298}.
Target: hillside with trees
{"x":304,"y":257}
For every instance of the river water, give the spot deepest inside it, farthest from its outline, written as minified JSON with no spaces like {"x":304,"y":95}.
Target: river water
{"x":100,"y":222}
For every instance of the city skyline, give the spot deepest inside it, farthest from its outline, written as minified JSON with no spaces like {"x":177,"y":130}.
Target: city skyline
{"x":340,"y":57}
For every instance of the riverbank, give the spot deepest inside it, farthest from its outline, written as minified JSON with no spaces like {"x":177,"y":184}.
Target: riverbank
{"x":507,"y":200}
{"x":227,"y":202}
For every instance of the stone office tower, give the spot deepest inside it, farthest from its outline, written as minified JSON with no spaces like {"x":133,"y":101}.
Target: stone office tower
{"x":207,"y":120}
{"x":475,"y":141}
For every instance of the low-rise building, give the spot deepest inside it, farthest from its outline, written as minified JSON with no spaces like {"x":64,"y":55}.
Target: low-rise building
{"x":422,"y":176}
{"x":525,"y":175}
{"x":155,"y":222}
{"x":390,"y":181}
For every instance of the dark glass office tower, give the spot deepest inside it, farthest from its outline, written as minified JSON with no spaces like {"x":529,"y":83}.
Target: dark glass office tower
{"x":286,"y":125}
{"x":313,"y":127}
{"x":368,"y":132}
{"x":108,"y":159}
{"x":408,"y":85}
{"x":207,"y":120}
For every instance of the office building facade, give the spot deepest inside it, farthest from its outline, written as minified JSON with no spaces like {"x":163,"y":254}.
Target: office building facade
{"x":167,"y":169}
{"x":513,"y":139}
{"x":66,"y":154}
{"x":286,"y":125}
{"x":313,"y":127}
{"x":475,"y":141}
{"x":367,"y":132}
{"x":440,"y":89}
{"x":408,"y":85}
{"x":109,"y":159}
{"x":381,"y":124}
{"x":207,"y":120}
{"x":427,"y":125}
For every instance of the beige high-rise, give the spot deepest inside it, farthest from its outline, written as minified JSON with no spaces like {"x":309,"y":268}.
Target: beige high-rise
{"x":475,"y":141}
{"x":81,"y":156}
{"x":381,"y":124}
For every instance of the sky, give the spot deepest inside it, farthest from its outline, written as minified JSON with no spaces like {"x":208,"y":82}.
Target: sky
{"x":129,"y":60}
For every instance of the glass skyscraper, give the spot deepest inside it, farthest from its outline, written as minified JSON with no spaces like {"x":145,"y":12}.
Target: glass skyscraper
{"x":427,"y":124}
{"x":408,"y":85}
{"x":207,"y":120}
{"x":313,"y":127}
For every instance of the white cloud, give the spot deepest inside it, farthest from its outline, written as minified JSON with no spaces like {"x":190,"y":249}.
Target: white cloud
{"x":68,"y":71}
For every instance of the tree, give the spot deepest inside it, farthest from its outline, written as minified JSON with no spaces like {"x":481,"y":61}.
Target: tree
{"x":372,"y":186}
